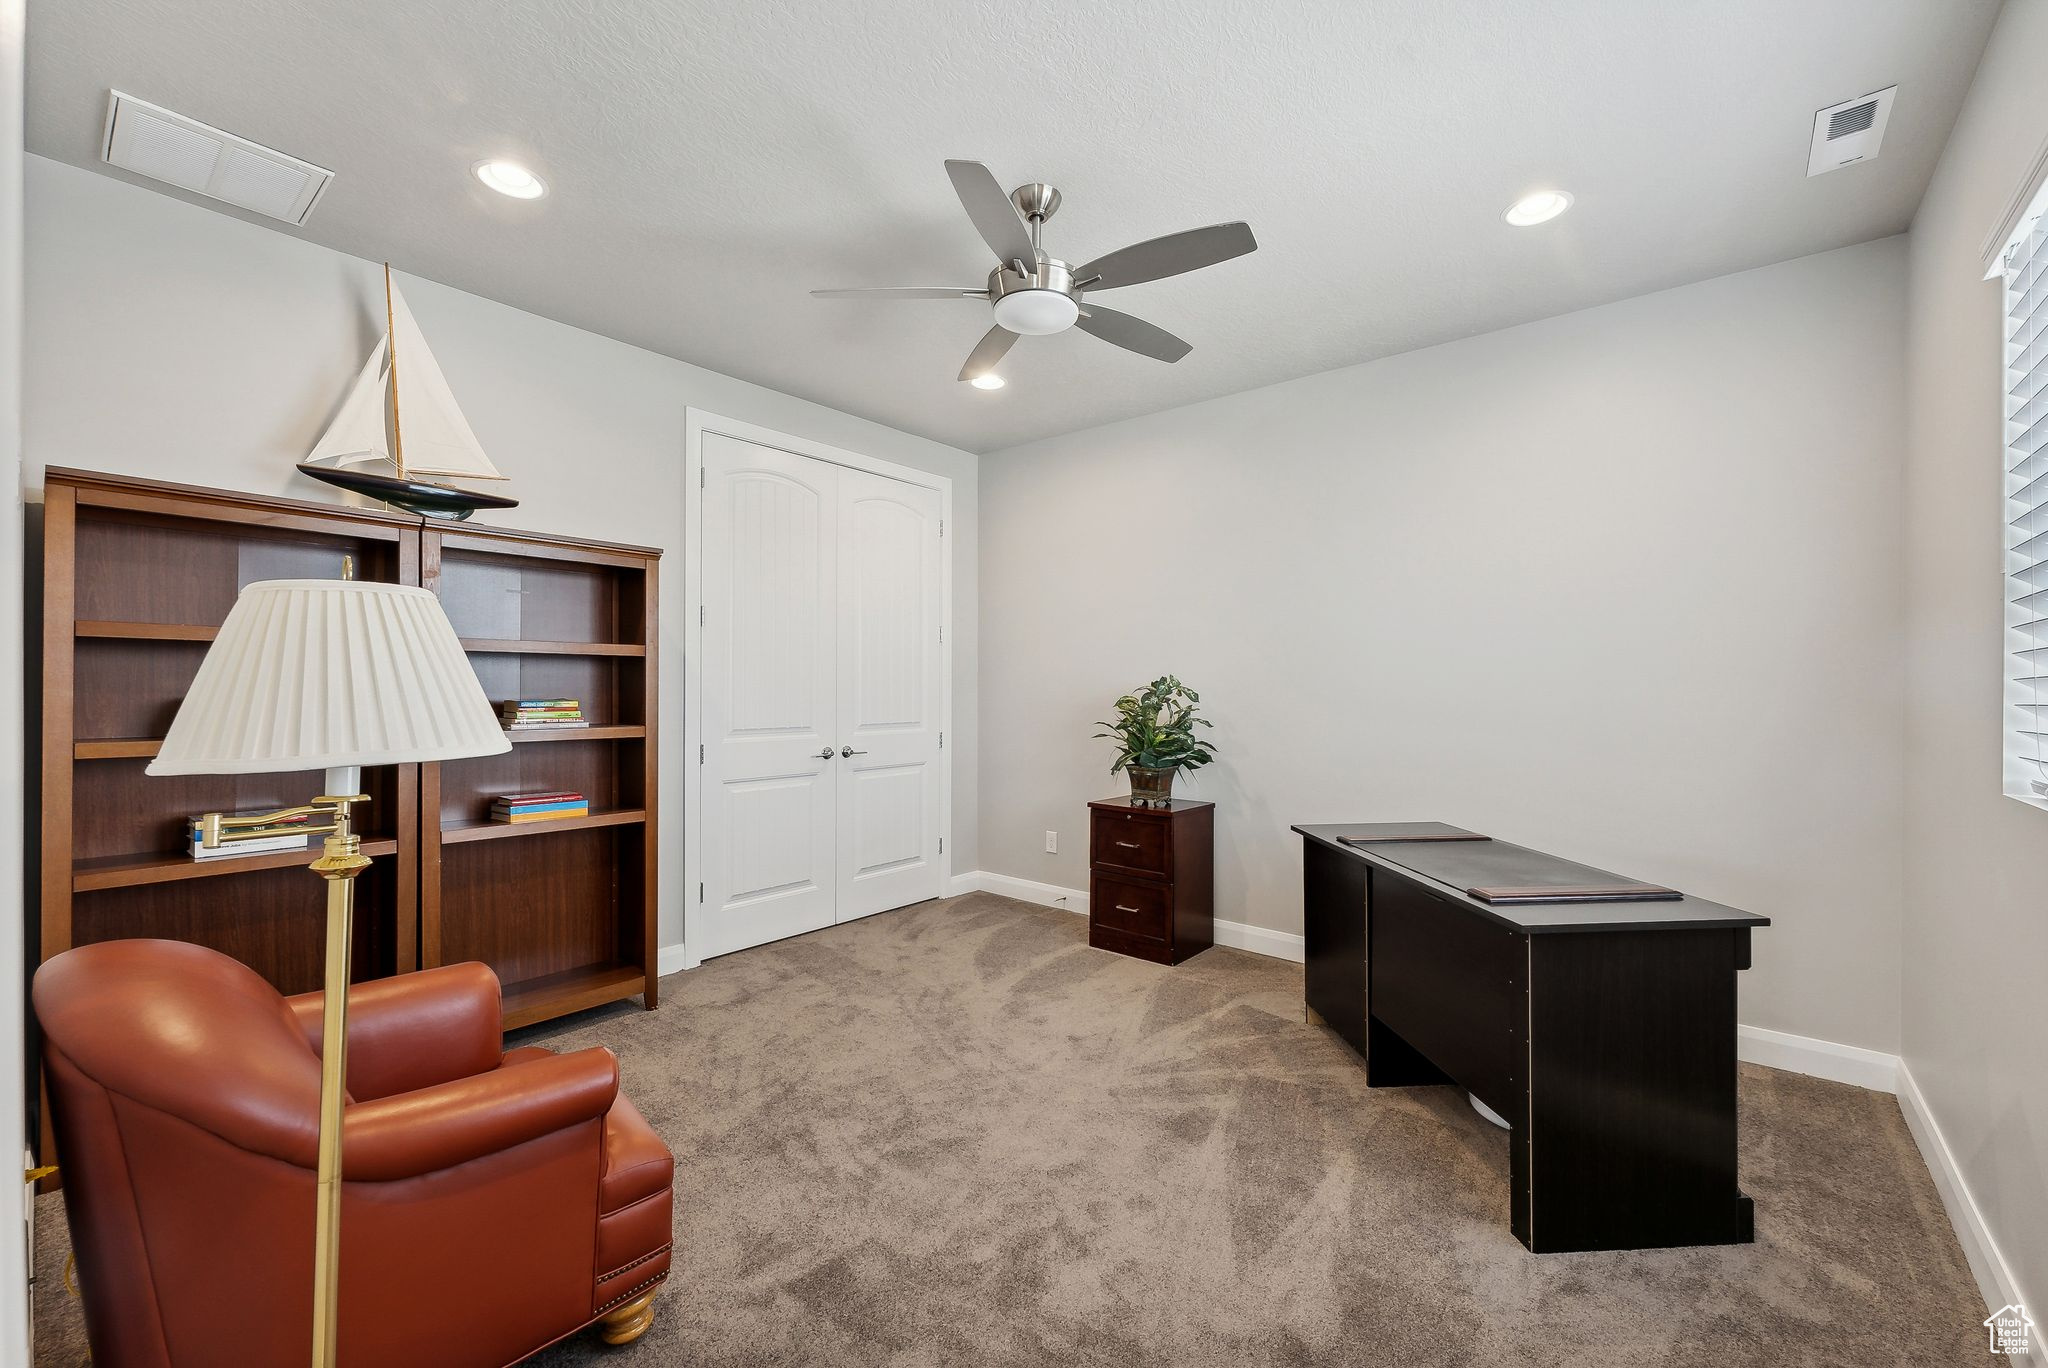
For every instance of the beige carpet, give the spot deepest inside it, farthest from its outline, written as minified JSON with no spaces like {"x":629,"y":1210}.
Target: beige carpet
{"x":954,"y":1135}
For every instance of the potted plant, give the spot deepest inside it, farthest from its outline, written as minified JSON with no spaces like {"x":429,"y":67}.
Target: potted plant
{"x":1155,"y":735}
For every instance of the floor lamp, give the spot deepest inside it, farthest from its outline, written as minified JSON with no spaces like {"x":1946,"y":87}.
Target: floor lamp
{"x":328,"y":675}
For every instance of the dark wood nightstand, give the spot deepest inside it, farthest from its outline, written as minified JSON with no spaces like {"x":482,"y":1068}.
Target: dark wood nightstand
{"x":1151,"y":877}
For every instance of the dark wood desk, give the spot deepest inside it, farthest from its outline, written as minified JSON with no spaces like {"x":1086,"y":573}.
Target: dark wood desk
{"x":1604,"y":1032}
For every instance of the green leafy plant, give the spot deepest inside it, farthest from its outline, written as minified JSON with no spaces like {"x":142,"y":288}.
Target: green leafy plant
{"x":1155,"y":728}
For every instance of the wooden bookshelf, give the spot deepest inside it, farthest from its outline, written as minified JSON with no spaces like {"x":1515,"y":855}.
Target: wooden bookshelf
{"x":137,"y":577}
{"x":563,"y":910}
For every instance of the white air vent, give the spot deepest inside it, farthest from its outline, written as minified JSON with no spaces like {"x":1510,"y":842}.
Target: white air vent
{"x":152,"y":141}
{"x":1849,"y":132}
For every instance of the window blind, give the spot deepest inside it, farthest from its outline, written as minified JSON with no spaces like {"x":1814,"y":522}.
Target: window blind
{"x":2026,"y":512}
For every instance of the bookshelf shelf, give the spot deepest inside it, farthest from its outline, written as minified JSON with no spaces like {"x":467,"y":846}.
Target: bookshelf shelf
{"x":491,"y":646}
{"x":610,"y":733}
{"x":146,"y":631}
{"x":128,"y":871}
{"x":570,"y":990}
{"x":462,"y":833}
{"x":118,"y":748}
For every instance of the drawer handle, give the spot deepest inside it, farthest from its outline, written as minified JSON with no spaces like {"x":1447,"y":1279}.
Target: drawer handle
{"x":1128,"y":845}
{"x":1121,"y":908}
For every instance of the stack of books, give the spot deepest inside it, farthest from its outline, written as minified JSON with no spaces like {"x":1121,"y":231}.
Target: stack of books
{"x":538,"y":807}
{"x":278,"y":836}
{"x":531,"y":714}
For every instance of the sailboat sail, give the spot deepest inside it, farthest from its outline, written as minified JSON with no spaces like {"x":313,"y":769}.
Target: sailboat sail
{"x":357,"y":433}
{"x":431,"y":435}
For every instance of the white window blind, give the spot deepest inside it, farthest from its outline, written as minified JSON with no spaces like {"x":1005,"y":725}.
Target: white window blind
{"x":2026,"y":512}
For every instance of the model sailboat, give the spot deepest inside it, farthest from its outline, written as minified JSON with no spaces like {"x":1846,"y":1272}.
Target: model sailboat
{"x":399,"y":424}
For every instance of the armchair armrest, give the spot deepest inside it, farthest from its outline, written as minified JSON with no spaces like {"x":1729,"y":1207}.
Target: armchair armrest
{"x":452,"y":1123}
{"x":414,"y":1030}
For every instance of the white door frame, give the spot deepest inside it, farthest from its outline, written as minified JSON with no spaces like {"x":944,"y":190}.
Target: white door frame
{"x":697,"y":422}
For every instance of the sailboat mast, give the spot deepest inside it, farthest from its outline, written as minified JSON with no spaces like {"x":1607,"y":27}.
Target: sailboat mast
{"x":391,"y":353}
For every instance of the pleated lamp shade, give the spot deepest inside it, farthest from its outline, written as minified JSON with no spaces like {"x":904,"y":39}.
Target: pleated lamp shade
{"x":320,"y":674}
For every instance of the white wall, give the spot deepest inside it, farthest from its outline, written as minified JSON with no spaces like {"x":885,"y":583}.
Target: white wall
{"x":181,"y":344}
{"x":1976,"y":908}
{"x":13,"y":1270}
{"x":1621,"y":585}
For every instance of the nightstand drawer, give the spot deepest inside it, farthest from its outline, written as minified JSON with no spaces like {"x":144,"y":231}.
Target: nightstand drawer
{"x":1131,"y":906}
{"x":1128,"y":841}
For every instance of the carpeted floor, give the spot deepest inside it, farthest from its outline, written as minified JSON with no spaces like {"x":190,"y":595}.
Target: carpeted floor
{"x":954,"y":1135}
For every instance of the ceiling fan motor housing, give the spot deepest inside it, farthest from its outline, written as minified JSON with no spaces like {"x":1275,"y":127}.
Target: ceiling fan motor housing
{"x":1037,"y":304}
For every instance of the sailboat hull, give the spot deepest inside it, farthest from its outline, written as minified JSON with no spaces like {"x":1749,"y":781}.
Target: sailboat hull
{"x":414,"y":496}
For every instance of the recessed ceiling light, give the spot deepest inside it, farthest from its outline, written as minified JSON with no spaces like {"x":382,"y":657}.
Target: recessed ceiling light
{"x":1537,"y":207}
{"x":510,"y":178}
{"x":1540,"y":207}
{"x":988,"y":381}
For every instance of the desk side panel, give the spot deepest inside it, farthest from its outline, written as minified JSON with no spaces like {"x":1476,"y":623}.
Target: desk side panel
{"x":1632,"y":1091}
{"x":1333,"y":935}
{"x":1449,"y":983}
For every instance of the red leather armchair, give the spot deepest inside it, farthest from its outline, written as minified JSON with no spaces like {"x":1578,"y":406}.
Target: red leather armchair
{"x":492,"y":1203}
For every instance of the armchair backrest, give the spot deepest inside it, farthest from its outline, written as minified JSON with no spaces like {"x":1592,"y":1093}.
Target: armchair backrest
{"x":184,"y":1098}
{"x":189,"y":1032}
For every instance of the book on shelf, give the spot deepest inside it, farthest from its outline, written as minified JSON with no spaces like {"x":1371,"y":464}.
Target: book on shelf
{"x":278,"y":838}
{"x":530,"y":714}
{"x":539,"y":807}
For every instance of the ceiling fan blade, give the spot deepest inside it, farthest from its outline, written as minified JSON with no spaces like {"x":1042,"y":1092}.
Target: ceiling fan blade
{"x":1132,"y":334}
{"x":901,"y":292}
{"x":1171,"y":255}
{"x":987,"y":352}
{"x":995,"y":218}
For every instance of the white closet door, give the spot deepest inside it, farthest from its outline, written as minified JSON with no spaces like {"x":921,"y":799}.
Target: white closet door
{"x":770,"y":710}
{"x":890,"y":693}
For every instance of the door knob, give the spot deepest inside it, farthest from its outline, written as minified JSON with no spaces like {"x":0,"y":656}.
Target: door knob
{"x":847,"y":752}
{"x":825,"y":754}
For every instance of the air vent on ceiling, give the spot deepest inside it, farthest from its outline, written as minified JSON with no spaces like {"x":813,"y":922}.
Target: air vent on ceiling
{"x":152,"y":141}
{"x":1849,"y":132}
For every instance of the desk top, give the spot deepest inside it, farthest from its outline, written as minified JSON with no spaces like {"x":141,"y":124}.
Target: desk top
{"x":1502,"y":862}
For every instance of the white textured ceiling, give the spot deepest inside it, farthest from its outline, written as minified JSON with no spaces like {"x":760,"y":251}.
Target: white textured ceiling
{"x":711,"y":162}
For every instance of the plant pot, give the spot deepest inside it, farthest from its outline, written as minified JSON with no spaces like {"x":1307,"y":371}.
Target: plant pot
{"x":1152,"y":785}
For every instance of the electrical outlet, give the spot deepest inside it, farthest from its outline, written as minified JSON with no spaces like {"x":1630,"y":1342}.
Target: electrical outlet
{"x":1052,"y":843}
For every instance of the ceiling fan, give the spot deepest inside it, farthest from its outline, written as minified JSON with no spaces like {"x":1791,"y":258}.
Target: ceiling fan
{"x":1034,"y":294}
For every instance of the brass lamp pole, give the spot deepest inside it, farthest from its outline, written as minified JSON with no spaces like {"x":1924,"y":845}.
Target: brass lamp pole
{"x":341,"y":859}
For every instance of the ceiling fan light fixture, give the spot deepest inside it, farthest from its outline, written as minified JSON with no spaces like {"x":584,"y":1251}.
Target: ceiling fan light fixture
{"x":1541,"y":206}
{"x":988,"y":381}
{"x":1036,"y":313}
{"x":510,"y":178}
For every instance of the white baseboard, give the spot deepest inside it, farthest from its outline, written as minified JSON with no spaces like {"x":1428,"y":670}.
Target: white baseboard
{"x":1236,"y":935}
{"x":1024,"y":890}
{"x":1853,"y":1064}
{"x":673,"y":960}
{"x":1995,"y":1280}
{"x":1261,"y":941}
